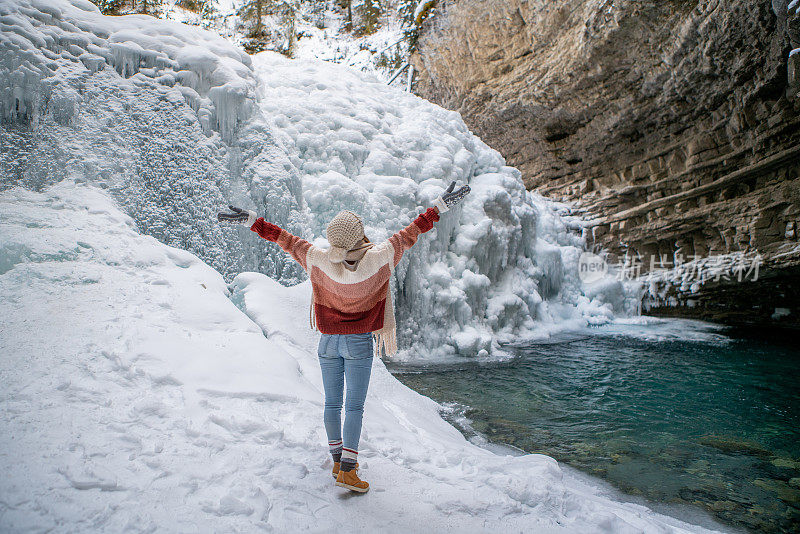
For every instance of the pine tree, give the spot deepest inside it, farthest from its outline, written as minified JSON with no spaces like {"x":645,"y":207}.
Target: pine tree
{"x":287,"y":10}
{"x":208,"y":13}
{"x":110,"y":7}
{"x":127,"y":7}
{"x":369,"y":13}
{"x":347,"y":5}
{"x":204,"y":8}
{"x":318,"y":9}
{"x":192,"y":5}
{"x":254,"y":13}
{"x":149,"y":7}
{"x":406,"y":10}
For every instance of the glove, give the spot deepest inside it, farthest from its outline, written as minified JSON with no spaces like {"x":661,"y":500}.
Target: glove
{"x":239,"y":215}
{"x":451,"y":198}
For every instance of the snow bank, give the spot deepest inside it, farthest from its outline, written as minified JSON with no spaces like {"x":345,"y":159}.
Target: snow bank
{"x":137,"y":397}
{"x":660,"y":330}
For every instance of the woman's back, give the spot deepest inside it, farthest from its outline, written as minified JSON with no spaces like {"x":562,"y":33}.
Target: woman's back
{"x":350,"y":301}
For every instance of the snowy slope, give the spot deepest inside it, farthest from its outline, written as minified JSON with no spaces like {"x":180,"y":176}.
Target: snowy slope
{"x":136,"y":396}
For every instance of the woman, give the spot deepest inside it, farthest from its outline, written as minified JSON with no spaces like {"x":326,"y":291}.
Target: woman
{"x":351,"y":301}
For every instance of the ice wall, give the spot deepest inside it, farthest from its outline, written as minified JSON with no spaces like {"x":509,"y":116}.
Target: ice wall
{"x":494,"y":269}
{"x":176,"y":123}
{"x":160,"y":113}
{"x":44,"y":42}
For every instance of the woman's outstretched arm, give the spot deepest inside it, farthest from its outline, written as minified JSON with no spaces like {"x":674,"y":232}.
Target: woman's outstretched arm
{"x":407,"y":237}
{"x":297,"y":247}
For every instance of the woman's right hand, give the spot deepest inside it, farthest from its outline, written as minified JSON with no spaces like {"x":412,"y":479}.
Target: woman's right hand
{"x":238,"y":216}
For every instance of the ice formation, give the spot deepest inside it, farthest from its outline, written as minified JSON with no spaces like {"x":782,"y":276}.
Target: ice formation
{"x":46,"y":43}
{"x":160,"y":113}
{"x":494,"y":265}
{"x":176,"y":123}
{"x":138,"y":398}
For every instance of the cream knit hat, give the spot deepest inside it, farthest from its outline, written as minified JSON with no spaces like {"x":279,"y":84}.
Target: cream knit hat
{"x":344,"y":232}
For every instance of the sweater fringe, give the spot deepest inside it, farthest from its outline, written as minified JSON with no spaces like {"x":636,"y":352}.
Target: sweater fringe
{"x":385,"y":342}
{"x":386,"y":337}
{"x":311,"y":319}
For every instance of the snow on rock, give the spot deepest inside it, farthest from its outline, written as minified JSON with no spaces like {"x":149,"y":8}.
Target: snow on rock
{"x":793,"y":9}
{"x":138,"y":397}
{"x":43,"y":42}
{"x":422,"y":9}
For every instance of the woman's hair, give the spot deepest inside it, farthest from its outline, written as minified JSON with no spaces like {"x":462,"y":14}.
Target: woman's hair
{"x":365,"y":244}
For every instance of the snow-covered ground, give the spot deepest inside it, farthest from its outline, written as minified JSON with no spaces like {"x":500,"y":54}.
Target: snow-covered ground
{"x":138,"y":396}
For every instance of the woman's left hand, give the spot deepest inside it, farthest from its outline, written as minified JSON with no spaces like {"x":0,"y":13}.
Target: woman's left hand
{"x":451,"y":198}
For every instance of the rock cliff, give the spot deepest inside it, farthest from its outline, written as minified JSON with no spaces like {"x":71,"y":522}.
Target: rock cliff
{"x":673,"y":124}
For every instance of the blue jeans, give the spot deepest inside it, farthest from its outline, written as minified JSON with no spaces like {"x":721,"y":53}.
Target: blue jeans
{"x":345,"y":357}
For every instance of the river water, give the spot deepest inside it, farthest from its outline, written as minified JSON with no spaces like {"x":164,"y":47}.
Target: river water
{"x":676,"y":412}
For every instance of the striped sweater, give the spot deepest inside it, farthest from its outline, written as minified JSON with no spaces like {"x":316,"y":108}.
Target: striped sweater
{"x":352,"y":302}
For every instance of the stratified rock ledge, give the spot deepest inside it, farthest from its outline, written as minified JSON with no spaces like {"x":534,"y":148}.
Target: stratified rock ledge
{"x":675,"y":126}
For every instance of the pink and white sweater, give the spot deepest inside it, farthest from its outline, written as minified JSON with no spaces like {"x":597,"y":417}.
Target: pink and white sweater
{"x":352,"y":302}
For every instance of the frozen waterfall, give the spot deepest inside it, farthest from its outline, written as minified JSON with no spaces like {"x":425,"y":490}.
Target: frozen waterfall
{"x":176,"y":123}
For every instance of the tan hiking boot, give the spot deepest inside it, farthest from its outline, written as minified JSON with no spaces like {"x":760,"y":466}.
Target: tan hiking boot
{"x":350,"y":480}
{"x":336,"y":467}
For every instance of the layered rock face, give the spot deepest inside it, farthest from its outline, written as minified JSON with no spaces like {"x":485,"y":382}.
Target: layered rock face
{"x":675,"y":124}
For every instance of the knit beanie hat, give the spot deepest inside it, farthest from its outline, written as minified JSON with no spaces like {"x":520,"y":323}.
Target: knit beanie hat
{"x":344,"y":232}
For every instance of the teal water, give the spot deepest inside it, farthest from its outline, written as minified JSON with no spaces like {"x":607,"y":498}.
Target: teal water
{"x":714,"y":424}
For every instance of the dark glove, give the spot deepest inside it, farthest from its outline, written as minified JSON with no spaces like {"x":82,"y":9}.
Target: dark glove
{"x":239,"y":216}
{"x":451,"y":198}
